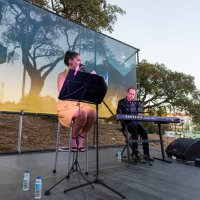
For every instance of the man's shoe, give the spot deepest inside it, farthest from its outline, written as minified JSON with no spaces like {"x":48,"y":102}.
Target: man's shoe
{"x":148,"y":158}
{"x":137,"y":158}
{"x":133,"y":161}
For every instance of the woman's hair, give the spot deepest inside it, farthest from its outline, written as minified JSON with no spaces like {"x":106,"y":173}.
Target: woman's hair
{"x":69,"y":55}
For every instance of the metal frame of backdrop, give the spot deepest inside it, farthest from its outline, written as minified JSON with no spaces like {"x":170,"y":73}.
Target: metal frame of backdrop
{"x":32,"y":45}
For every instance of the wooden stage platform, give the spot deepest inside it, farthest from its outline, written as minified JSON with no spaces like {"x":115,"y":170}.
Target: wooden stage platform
{"x":161,"y":181}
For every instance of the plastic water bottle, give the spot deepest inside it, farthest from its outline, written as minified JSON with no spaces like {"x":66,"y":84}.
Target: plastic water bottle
{"x":38,"y":187}
{"x":119,"y":155}
{"x":26,"y":180}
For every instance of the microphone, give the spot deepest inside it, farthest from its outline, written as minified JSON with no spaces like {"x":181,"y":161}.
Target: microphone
{"x":82,"y":67}
{"x":76,"y":70}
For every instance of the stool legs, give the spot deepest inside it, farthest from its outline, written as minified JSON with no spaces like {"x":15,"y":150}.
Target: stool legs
{"x":71,"y":154}
{"x":86,"y":153}
{"x":70,"y":147}
{"x":57,"y":146}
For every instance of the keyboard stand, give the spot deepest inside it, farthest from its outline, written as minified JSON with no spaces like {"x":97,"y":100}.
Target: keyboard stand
{"x":127,"y":143}
{"x":160,"y":140}
{"x":155,"y":119}
{"x":161,"y":145}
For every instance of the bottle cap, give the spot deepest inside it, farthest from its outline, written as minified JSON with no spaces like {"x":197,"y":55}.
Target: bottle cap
{"x":26,"y":170}
{"x":38,"y":177}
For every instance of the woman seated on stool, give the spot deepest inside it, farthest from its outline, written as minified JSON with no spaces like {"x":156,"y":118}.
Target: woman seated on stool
{"x":68,"y":111}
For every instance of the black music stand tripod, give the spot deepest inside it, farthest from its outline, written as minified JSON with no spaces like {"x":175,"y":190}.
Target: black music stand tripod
{"x":89,"y":88}
{"x":77,"y":95}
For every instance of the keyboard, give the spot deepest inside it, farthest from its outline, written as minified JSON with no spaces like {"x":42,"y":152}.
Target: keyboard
{"x":142,"y":118}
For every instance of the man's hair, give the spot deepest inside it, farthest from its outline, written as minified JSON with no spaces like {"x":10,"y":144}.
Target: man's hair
{"x":131,"y":87}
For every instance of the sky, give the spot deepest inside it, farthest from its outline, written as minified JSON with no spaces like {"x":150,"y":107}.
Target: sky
{"x":165,"y":31}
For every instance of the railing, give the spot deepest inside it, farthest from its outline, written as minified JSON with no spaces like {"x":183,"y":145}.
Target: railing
{"x":25,"y":133}
{"x":20,"y":127}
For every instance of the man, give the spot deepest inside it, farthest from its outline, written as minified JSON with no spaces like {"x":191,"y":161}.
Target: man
{"x":128,"y":106}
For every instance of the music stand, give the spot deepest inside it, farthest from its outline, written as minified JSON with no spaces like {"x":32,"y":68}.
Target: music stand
{"x":138,"y":107}
{"x":89,"y":88}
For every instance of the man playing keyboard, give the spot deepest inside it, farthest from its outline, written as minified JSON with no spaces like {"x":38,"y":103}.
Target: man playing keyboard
{"x":127,"y":106}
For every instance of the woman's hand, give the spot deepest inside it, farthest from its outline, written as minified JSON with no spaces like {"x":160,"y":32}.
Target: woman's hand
{"x":93,"y":72}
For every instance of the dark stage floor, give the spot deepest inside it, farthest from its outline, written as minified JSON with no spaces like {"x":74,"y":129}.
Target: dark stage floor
{"x":161,"y":181}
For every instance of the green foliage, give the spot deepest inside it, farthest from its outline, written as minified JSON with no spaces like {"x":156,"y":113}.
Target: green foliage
{"x":163,"y":90}
{"x":94,"y":14}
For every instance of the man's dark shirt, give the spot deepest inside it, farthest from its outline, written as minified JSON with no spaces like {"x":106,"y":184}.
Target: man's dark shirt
{"x":127,"y":107}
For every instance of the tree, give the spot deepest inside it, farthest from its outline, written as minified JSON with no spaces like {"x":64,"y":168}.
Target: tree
{"x":163,"y":90}
{"x":35,"y":35}
{"x":31,"y":34}
{"x":95,"y":14}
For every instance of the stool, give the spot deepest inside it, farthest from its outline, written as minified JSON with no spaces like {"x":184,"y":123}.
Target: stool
{"x":126,"y":142}
{"x":64,"y":149}
{"x":129,"y":141}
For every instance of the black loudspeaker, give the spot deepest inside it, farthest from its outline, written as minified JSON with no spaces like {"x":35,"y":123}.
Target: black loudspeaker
{"x":184,"y":148}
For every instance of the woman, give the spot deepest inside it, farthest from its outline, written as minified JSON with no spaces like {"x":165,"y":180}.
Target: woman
{"x":80,"y":113}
